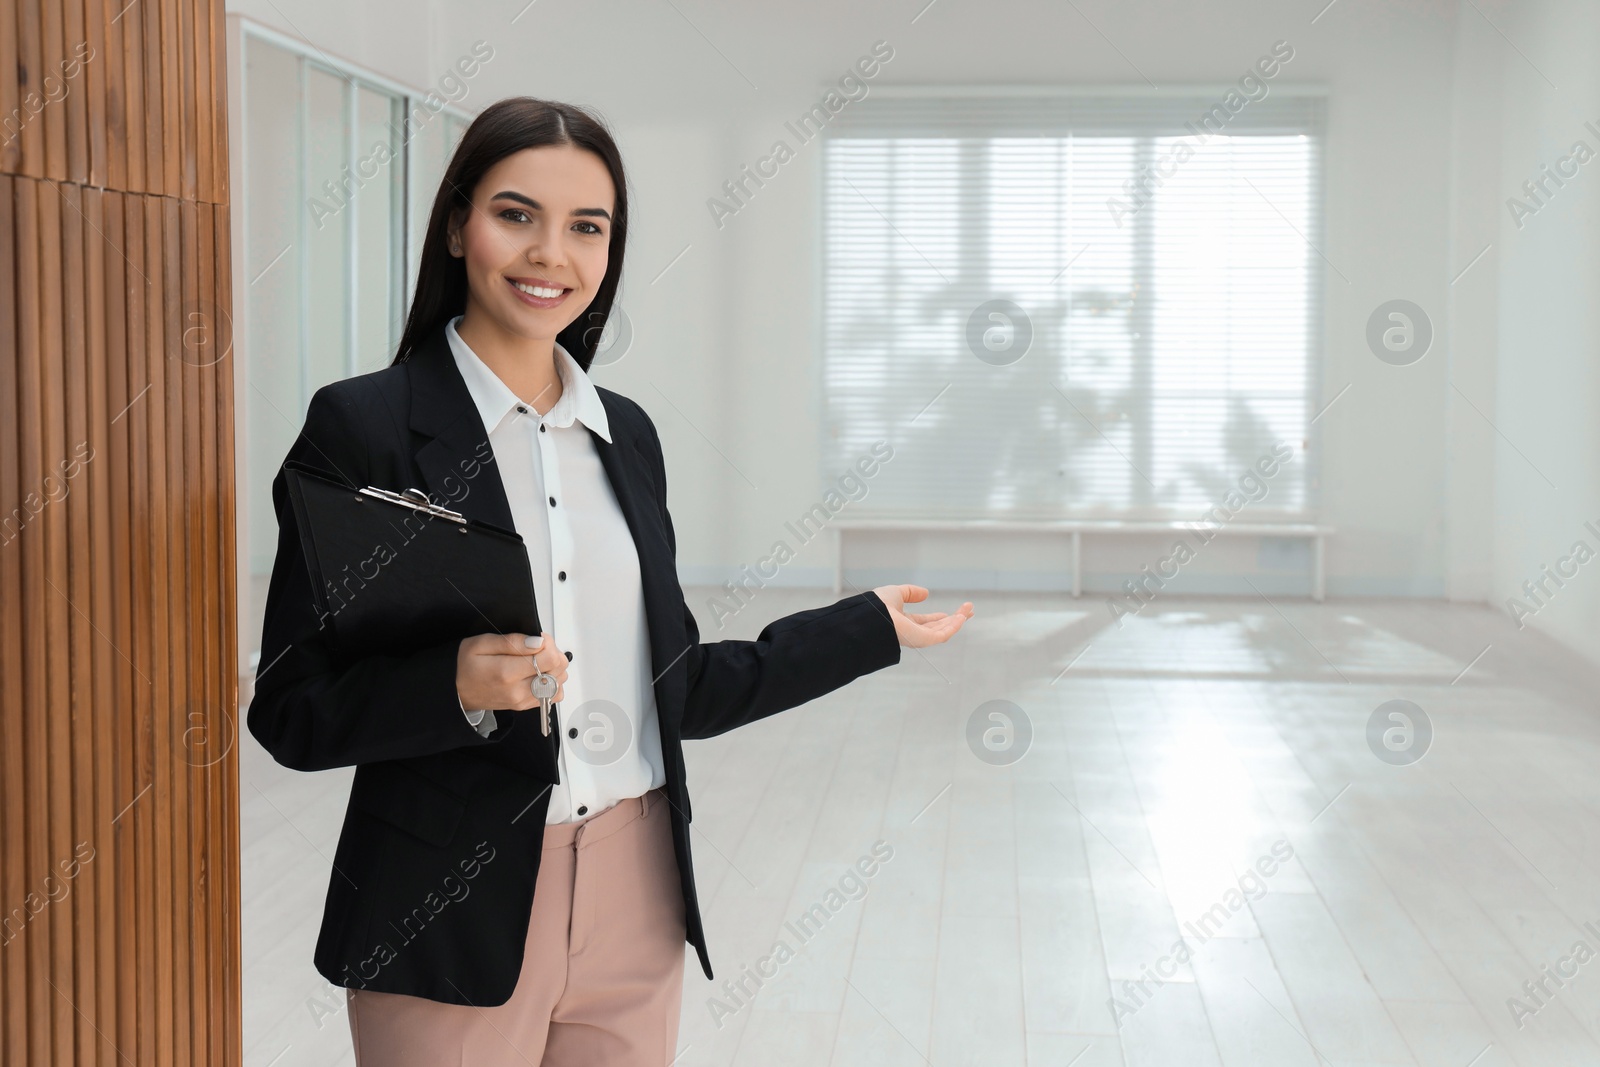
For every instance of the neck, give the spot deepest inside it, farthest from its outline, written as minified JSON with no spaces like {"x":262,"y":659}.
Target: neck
{"x":526,"y":364}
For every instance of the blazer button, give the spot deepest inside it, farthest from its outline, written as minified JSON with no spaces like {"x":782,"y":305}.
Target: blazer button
{"x":583,"y":809}
{"x":552,"y":501}
{"x":522,"y":409}
{"x":541,"y":427}
{"x":562,"y":576}
{"x":569,"y":657}
{"x":573,"y":732}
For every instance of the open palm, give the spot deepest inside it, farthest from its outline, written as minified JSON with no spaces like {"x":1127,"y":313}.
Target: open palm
{"x":920,"y":630}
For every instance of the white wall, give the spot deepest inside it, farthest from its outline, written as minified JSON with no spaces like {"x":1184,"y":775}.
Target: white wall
{"x":392,"y":37}
{"x":1549,"y":273}
{"x":1472,"y":307}
{"x":1428,"y":499}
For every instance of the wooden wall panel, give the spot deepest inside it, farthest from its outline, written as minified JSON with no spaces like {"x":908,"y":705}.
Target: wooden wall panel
{"x":119,"y":867}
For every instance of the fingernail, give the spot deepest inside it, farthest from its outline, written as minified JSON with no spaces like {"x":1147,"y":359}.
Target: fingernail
{"x":534,"y":641}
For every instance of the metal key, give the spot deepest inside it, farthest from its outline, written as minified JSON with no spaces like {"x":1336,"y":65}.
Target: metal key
{"x":544,"y":690}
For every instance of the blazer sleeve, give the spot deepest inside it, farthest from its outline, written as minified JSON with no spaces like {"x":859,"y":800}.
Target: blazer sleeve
{"x":793,"y":660}
{"x":311,"y":710}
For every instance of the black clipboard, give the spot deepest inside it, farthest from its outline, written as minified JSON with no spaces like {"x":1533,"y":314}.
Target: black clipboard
{"x":393,"y":573}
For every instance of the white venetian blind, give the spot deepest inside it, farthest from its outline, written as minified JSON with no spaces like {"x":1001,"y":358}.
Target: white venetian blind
{"x":1171,"y":331}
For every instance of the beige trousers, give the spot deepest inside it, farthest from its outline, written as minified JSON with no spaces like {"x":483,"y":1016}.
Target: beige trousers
{"x":602,"y":975}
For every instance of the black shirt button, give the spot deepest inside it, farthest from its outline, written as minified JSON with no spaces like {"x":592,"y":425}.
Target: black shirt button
{"x":573,"y":732}
{"x":563,"y":576}
{"x":522,"y":409}
{"x":583,"y":809}
{"x":541,"y":427}
{"x":552,"y":501}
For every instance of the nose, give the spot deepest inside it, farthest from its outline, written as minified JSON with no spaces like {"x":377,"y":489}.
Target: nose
{"x":545,"y":248}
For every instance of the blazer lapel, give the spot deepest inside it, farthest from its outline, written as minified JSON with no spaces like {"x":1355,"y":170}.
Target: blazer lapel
{"x":441,"y":408}
{"x":630,"y":477}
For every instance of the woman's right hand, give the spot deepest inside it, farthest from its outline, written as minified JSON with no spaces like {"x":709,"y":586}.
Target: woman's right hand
{"x":494,"y":671}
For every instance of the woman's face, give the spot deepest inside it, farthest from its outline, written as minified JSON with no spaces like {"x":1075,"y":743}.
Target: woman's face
{"x":537,"y":239}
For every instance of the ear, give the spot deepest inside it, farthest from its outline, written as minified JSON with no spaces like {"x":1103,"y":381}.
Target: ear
{"x":452,"y":238}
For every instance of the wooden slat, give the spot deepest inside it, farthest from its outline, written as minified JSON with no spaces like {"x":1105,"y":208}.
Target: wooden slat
{"x":11,"y":112}
{"x":92,"y":78}
{"x":227,"y":1041}
{"x":31,"y":547}
{"x":116,"y":861}
{"x":206,"y":601}
{"x":78,"y":590}
{"x":177,"y":233}
{"x":102,"y":715}
{"x":139,"y":819}
{"x":212,"y":103}
{"x":30,"y":56}
{"x":208,"y":605}
{"x":152,"y":112}
{"x":30,"y":550}
{"x":74,"y":102}
{"x":188,"y":107}
{"x":58,"y":613}
{"x":172,"y":146}
{"x":130,"y":24}
{"x":159,"y":503}
{"x":52,"y":116}
{"x":13,"y":853}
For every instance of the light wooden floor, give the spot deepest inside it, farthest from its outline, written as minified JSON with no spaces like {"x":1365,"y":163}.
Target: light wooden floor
{"x":1165,"y":760}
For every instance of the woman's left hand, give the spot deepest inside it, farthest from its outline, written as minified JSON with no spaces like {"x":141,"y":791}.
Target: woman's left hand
{"x":920,"y":630}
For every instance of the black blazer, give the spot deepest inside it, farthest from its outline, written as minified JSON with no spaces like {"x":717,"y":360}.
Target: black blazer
{"x":434,"y":873}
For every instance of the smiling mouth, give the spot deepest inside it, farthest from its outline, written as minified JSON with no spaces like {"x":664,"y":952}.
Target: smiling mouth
{"x":543,"y":296}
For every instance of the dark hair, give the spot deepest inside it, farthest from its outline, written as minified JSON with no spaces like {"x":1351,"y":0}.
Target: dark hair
{"x":504,"y":127}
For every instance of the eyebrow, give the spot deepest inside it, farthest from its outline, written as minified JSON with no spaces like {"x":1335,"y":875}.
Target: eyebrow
{"x":595,"y":212}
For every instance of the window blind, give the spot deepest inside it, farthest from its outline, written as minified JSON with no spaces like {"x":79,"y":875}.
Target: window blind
{"x":1160,"y":255}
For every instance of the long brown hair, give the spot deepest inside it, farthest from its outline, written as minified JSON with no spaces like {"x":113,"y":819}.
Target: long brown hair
{"x":502,"y":128}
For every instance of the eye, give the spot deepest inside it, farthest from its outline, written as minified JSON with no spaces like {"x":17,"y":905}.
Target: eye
{"x":522,"y":216}
{"x":593,"y":229}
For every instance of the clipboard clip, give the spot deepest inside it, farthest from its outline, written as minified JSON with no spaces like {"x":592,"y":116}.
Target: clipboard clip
{"x":416,"y":500}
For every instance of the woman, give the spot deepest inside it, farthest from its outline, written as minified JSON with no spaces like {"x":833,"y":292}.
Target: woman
{"x":500,"y":897}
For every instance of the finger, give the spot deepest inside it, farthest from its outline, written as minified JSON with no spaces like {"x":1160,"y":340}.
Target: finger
{"x":949,"y":626}
{"x":965,"y":610}
{"x":532,"y":668}
{"x":552,"y":660}
{"x":512,"y":644}
{"x":549,"y":656}
{"x":913,"y":593}
{"x":548,"y":660}
{"x":945,"y":628}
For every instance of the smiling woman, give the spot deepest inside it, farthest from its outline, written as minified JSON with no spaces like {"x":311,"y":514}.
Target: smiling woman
{"x":565,"y":761}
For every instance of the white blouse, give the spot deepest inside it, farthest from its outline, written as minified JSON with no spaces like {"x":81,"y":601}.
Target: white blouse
{"x":585,"y":580}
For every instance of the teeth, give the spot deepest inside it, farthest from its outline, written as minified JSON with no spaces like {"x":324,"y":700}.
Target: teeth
{"x":534,"y":290}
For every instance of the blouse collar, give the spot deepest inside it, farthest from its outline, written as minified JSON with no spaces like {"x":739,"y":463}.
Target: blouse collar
{"x":580,"y":401}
